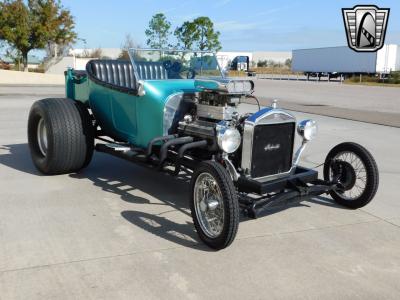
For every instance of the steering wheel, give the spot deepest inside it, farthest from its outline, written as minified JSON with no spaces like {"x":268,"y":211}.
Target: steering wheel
{"x":167,"y":64}
{"x":191,"y":74}
{"x":176,"y":67}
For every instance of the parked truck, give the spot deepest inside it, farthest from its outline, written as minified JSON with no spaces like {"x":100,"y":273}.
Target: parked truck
{"x":242,"y":63}
{"x":342,"y":61}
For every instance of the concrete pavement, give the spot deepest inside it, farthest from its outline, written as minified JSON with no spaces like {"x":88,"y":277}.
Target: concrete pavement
{"x":361,"y":97}
{"x":372,"y":104}
{"x":119,"y":231}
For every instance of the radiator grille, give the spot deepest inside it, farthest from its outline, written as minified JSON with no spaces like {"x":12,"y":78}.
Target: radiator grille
{"x":272,"y":149}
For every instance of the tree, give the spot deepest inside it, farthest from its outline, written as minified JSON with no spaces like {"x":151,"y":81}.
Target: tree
{"x":262,"y":63}
{"x":198,"y":34}
{"x":15,"y":56}
{"x":93,"y":53}
{"x":35,"y":25}
{"x":206,"y":38}
{"x":158,"y":31}
{"x":128,"y":44}
{"x":288,"y":62}
{"x":186,"y":35}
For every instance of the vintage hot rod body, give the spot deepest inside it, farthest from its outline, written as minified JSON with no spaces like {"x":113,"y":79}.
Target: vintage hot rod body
{"x":175,"y":111}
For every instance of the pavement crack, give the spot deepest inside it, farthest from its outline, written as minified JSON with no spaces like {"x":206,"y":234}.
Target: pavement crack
{"x":97,"y":258}
{"x":381,"y":219}
{"x":394,"y":224}
{"x":309,"y":229}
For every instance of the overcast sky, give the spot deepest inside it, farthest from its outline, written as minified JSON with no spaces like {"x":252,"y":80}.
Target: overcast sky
{"x":244,"y":24}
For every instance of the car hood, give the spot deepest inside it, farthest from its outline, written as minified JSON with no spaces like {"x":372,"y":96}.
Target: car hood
{"x":161,"y":89}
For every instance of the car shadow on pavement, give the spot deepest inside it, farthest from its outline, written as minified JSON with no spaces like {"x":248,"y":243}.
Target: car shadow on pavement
{"x":139,"y":185}
{"x":18,"y":157}
{"x":117,"y":176}
{"x":127,"y":180}
{"x":181,"y":234}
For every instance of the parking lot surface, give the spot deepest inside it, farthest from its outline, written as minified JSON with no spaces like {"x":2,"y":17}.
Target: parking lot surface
{"x":372,"y":104}
{"x":120,"y":231}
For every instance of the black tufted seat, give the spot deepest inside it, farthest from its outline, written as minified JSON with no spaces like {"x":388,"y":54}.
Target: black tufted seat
{"x":151,"y":70}
{"x":117,"y":73}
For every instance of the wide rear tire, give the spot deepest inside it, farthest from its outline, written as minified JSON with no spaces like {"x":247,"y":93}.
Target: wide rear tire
{"x":60,"y":136}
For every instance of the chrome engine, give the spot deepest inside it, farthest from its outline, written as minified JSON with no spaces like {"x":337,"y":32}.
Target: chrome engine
{"x":216,"y":109}
{"x":217,"y":106}
{"x":258,"y":145}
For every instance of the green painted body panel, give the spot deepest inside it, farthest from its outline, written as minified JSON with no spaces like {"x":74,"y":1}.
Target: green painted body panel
{"x":127,"y":117}
{"x":209,"y":84}
{"x":75,"y":88}
{"x":150,"y":107}
{"x":114,"y":111}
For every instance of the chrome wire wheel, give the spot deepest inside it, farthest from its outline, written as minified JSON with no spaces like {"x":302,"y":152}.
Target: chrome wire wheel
{"x":209,"y":205}
{"x":355,"y":173}
{"x":42,"y":137}
{"x":350,"y":172}
{"x":214,"y":205}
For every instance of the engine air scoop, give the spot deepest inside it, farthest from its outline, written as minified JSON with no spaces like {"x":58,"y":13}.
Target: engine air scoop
{"x":225,"y":86}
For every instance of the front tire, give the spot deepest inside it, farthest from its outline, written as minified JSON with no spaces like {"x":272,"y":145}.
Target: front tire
{"x":214,"y":205}
{"x":60,"y":136}
{"x":356,"y":172}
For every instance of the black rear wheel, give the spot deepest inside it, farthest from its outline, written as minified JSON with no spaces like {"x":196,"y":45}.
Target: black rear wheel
{"x":60,"y":136}
{"x":355,"y":170}
{"x":214,"y":205}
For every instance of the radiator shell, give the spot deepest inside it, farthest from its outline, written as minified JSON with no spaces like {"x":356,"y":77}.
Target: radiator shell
{"x":268,"y":141}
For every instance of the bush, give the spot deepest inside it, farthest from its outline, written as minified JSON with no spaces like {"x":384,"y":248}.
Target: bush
{"x":95,"y":53}
{"x":37,"y":70}
{"x":262,"y":63}
{"x":4,"y":66}
{"x":393,"y":78}
{"x":364,"y":78}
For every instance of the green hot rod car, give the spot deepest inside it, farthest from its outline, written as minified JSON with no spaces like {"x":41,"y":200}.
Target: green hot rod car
{"x":175,"y":111}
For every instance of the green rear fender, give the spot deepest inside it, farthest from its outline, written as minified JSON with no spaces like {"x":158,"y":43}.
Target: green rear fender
{"x":76,"y":87}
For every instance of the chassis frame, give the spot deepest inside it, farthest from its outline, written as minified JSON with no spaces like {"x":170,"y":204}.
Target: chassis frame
{"x":301,"y":182}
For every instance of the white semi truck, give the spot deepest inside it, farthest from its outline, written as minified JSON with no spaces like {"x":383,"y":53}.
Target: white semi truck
{"x":342,"y":61}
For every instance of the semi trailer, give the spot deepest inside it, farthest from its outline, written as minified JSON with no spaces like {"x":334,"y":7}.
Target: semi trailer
{"x":342,"y":61}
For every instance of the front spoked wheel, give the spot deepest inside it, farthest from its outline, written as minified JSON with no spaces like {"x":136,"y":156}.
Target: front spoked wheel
{"x":214,"y":205}
{"x":355,"y":171}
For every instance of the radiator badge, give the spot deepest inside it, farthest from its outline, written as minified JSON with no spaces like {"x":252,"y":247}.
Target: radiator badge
{"x":365,"y":27}
{"x":271,"y":147}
